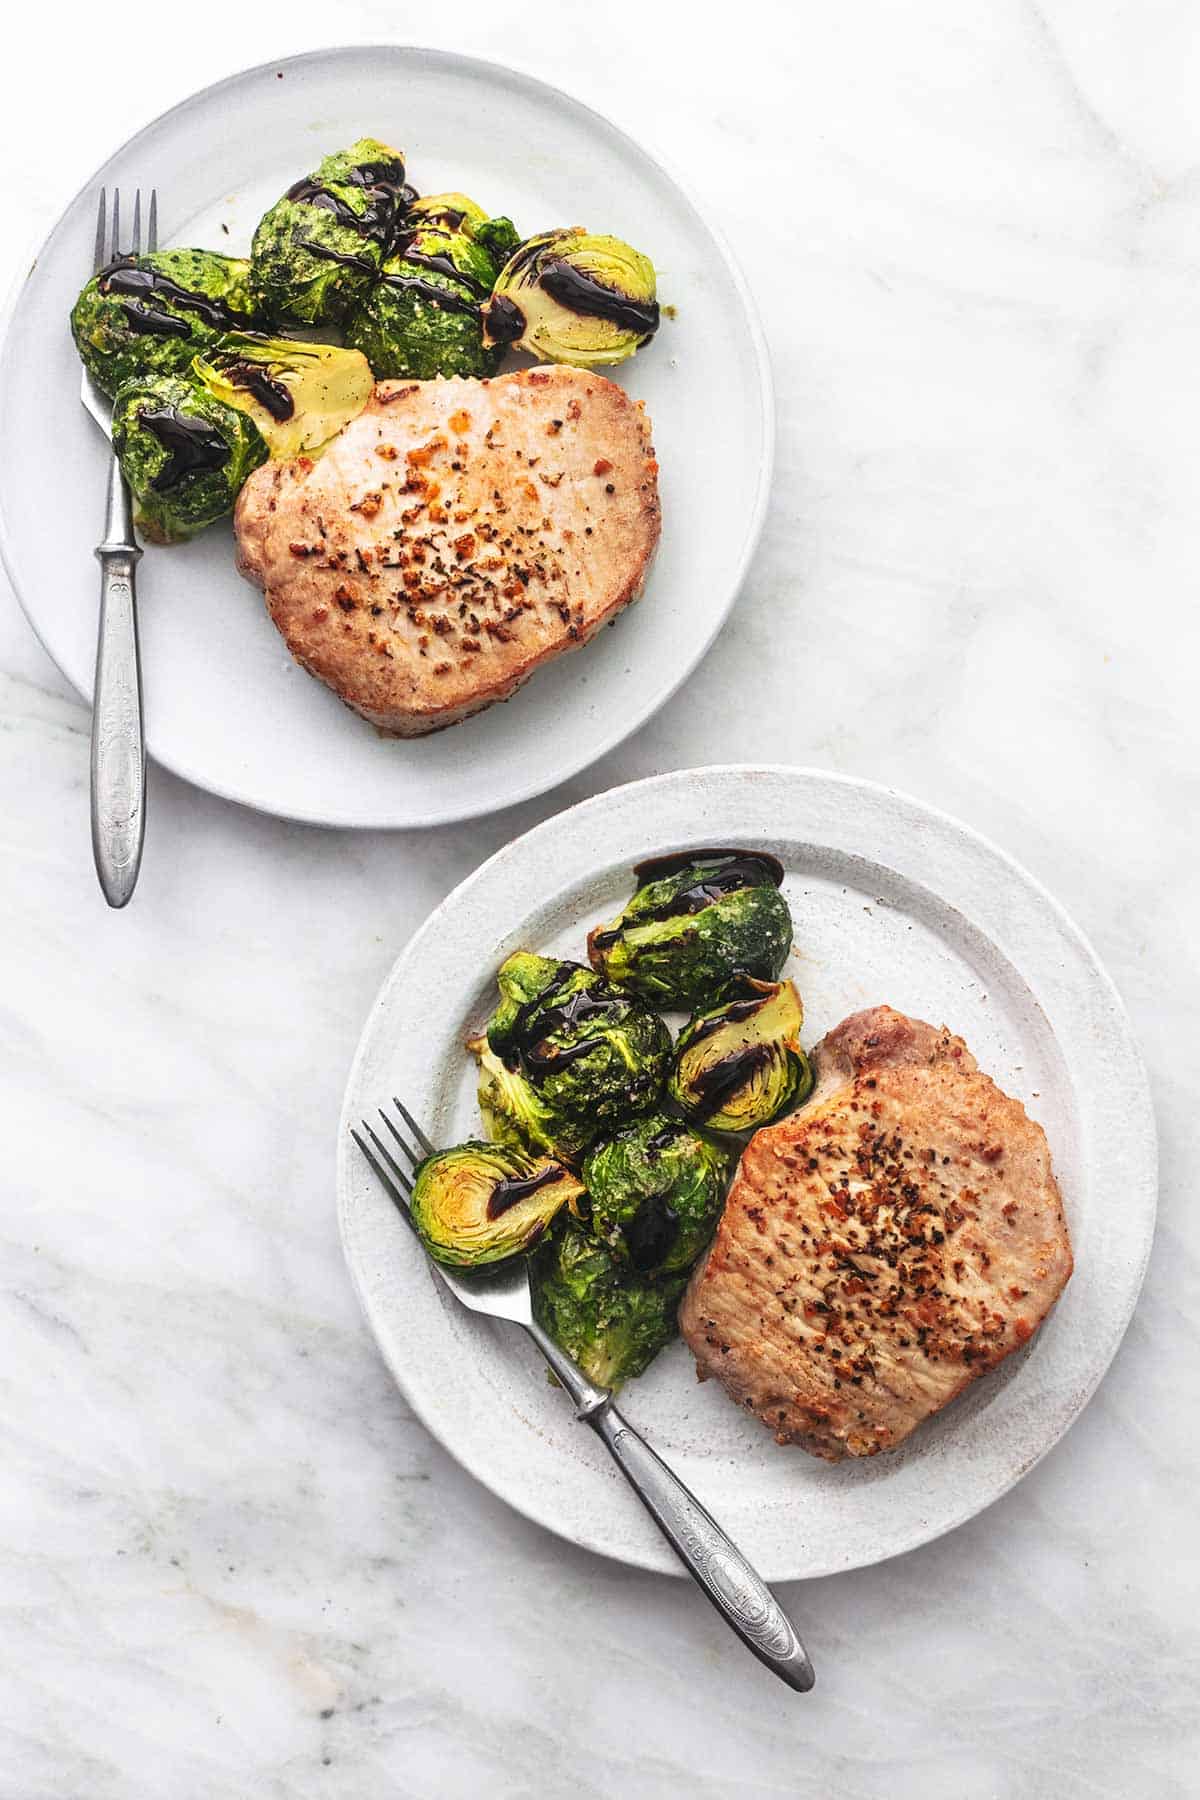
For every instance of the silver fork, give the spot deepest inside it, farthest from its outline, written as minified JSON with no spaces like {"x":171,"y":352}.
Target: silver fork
{"x":742,"y":1598}
{"x":118,"y":749}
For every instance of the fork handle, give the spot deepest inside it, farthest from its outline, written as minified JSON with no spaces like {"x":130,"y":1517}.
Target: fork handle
{"x":118,"y":748}
{"x":713,"y":1561}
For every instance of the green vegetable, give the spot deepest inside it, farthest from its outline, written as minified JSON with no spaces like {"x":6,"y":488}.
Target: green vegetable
{"x":612,"y":1322}
{"x":656,"y":1191}
{"x":319,"y":248}
{"x":696,"y":921}
{"x":298,"y":395}
{"x":149,"y":315}
{"x":481,"y":1203}
{"x":423,"y":317}
{"x":572,"y":296}
{"x":184,"y":453}
{"x":457,"y":215}
{"x":740,"y":1065}
{"x":565,"y":1056}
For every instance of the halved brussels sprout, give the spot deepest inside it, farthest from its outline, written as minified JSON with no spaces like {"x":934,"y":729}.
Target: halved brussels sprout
{"x":574,"y":297}
{"x":613,"y":1322}
{"x":740,"y":1065}
{"x":319,"y":248}
{"x":696,"y":921}
{"x":655,"y":1190}
{"x":183,"y":452}
{"x":565,"y":1056}
{"x":298,"y":395}
{"x":149,"y":315}
{"x":481,"y":1203}
{"x":423,"y":317}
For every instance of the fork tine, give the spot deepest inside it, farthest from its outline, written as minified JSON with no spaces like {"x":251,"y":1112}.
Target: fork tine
{"x":135,"y":248}
{"x":381,"y":1174}
{"x":424,"y":1142}
{"x":98,"y":254}
{"x":116,"y":224}
{"x":152,"y":223}
{"x":414,"y":1156}
{"x":398,"y":1174}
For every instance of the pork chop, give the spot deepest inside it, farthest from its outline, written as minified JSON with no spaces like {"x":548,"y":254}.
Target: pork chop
{"x":892,"y":1240}
{"x":454,"y":536}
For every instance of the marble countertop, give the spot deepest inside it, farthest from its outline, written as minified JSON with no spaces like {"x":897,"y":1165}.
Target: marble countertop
{"x":233,"y":1563}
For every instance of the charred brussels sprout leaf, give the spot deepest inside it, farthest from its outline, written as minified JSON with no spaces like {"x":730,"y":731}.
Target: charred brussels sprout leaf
{"x":320,"y":247}
{"x":298,"y":395}
{"x":565,"y":1056}
{"x":481,"y":1203}
{"x":149,"y":315}
{"x":612,"y":1322}
{"x":452,"y":212}
{"x":513,"y":1110}
{"x":455,"y":214}
{"x":655,"y":1192}
{"x":740,"y":1065}
{"x":499,"y":237}
{"x":423,"y":318}
{"x":696,"y":921}
{"x":184,"y":454}
{"x":574,"y":297}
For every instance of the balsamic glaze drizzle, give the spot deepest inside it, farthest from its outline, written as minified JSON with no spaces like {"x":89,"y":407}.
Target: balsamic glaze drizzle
{"x":448,"y":299}
{"x":583,"y":293}
{"x":651,"y":1232}
{"x":505,"y":320}
{"x":515,"y":1188}
{"x":138,"y":288}
{"x":194,"y":446}
{"x":714,"y":1086}
{"x":349,"y":259}
{"x":536,"y":1022}
{"x":733,"y":1014}
{"x":654,"y":868}
{"x":273,"y":395}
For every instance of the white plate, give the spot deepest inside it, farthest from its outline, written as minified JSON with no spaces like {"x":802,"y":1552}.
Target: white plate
{"x":225,"y":704}
{"x":892,"y":902}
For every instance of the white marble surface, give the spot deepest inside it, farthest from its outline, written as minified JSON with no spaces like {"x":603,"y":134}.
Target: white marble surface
{"x":233,"y":1564}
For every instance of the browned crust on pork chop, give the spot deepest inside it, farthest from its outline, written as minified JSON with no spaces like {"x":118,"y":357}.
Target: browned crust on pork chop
{"x":898,"y":1236}
{"x":453,"y":537}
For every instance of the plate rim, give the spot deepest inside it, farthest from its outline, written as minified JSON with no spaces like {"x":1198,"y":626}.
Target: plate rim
{"x":694,"y":651}
{"x":1141,"y":1118}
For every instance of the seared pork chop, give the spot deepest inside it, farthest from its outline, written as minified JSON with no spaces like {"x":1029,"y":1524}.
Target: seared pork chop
{"x":896,"y":1237}
{"x":454,"y":536}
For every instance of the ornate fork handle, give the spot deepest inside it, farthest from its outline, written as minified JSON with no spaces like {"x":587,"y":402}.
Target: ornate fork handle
{"x":118,"y":750}
{"x":715,"y":1563}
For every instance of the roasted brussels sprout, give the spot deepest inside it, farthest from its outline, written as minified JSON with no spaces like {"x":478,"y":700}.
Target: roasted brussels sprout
{"x":317,"y":251}
{"x":740,"y":1065}
{"x":457,"y":215}
{"x":423,"y":317}
{"x":149,"y":315}
{"x":298,"y":395}
{"x":613,"y":1323}
{"x":565,"y":1056}
{"x":696,"y":920}
{"x":184,"y":453}
{"x":480,"y":1203}
{"x":571,"y":296}
{"x":655,"y":1192}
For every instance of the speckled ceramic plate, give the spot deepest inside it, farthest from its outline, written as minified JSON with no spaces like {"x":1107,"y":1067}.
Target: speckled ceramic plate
{"x":225,"y":704}
{"x":892,"y":902}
